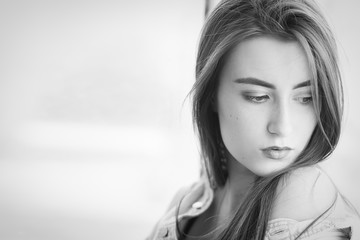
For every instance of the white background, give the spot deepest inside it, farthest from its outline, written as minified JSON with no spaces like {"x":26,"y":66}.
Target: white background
{"x":95,"y":128}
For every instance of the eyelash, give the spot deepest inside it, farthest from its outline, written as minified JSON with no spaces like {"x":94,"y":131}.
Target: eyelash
{"x":264,"y":98}
{"x":257,"y":99}
{"x":308,"y":100}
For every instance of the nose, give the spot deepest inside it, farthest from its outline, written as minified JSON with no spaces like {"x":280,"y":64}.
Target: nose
{"x":280,"y":121}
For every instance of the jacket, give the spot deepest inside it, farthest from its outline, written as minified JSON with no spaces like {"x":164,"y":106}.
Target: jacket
{"x":340,"y":222}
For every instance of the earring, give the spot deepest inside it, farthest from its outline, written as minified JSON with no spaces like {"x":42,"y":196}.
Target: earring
{"x":222,"y":172}
{"x":223,"y":158}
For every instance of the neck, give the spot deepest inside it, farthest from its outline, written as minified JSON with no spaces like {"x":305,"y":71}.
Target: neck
{"x":229,"y":198}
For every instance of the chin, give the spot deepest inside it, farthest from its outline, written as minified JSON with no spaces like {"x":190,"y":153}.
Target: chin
{"x":266,"y":172}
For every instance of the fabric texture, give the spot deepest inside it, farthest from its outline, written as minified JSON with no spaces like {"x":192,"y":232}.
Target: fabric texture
{"x":340,"y":222}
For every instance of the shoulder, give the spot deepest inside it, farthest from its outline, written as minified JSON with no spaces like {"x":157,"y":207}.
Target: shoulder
{"x":188,"y":201}
{"x":179,"y":204}
{"x":304,"y":194}
{"x":180,"y":195}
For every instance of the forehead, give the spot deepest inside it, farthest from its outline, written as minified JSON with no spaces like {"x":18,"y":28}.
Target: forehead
{"x":268,"y":58}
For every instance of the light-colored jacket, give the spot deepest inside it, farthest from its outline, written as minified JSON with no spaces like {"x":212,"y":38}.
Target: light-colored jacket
{"x":340,"y":222}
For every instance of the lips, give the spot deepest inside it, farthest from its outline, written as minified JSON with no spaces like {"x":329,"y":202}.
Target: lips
{"x":276,"y":152}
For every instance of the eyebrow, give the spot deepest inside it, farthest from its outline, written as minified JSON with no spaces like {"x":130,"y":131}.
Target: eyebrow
{"x":255,"y":81}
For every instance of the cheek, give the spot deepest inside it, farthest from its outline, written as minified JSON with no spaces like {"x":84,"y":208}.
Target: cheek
{"x":240,"y":125}
{"x":305,"y":125}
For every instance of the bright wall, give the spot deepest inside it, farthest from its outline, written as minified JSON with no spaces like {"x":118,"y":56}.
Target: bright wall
{"x":95,"y":128}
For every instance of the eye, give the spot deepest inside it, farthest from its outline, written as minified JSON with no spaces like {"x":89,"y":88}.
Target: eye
{"x":257,"y":99}
{"x":304,"y":100}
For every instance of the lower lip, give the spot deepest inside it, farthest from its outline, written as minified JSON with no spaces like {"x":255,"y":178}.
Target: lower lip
{"x":276,"y":154}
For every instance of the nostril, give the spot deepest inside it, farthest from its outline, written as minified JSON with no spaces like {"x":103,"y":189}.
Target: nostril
{"x":280,"y":125}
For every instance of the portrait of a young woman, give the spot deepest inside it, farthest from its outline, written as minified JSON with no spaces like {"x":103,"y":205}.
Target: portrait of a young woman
{"x":267,"y":107}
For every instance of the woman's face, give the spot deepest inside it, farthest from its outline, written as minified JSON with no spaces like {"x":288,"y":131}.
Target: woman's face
{"x":264,"y":103}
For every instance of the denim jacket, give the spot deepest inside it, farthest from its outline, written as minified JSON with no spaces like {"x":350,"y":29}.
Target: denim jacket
{"x":340,"y":222}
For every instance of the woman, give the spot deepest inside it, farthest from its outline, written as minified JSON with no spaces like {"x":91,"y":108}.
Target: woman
{"x":267,"y":104}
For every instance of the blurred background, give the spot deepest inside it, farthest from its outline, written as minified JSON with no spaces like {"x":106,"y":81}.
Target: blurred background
{"x":95,"y":127}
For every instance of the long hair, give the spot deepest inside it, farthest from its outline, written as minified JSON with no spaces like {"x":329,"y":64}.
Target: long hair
{"x":295,"y":20}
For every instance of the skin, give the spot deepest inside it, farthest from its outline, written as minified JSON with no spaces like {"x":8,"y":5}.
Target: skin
{"x":254,"y":117}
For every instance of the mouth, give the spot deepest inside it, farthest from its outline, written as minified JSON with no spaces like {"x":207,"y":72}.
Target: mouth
{"x":276,"y":152}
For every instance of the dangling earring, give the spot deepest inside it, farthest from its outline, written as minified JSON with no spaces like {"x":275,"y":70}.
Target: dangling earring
{"x":223,"y":158}
{"x":221,"y":169}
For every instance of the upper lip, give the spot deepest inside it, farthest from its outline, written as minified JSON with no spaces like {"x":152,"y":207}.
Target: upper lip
{"x":276,"y":148}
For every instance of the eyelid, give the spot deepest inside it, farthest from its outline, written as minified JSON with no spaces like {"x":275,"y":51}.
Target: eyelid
{"x":308,"y":99}
{"x":305,"y":91}
{"x":255,"y":92}
{"x":303,"y":94}
{"x":256,"y":98}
